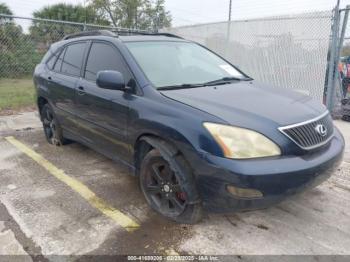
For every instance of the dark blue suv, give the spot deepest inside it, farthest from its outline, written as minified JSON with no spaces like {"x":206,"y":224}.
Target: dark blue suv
{"x":198,"y":132}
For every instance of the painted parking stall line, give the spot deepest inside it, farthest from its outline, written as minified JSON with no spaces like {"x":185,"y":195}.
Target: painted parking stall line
{"x":98,"y":203}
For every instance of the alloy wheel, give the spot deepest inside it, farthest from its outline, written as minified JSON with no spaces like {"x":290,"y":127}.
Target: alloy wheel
{"x":50,"y":127}
{"x":163,"y":189}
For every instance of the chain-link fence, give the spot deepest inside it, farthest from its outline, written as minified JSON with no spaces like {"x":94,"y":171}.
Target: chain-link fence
{"x":285,"y":51}
{"x":24,"y":41}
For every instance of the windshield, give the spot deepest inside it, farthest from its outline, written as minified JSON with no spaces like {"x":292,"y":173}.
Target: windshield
{"x":169,"y":63}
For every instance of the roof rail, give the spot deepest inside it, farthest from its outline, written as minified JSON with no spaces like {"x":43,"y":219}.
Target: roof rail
{"x":116,"y":33}
{"x":153,"y":33}
{"x":170,"y":35}
{"x":90,"y":33}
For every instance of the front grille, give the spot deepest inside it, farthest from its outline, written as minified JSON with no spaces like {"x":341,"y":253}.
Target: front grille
{"x":305,"y":134}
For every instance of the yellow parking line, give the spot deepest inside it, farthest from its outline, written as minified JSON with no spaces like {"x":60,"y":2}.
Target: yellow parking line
{"x":121,"y":219}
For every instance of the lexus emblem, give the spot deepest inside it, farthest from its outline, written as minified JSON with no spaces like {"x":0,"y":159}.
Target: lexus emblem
{"x":321,"y":130}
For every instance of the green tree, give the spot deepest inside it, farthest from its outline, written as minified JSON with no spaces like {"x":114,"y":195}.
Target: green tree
{"x":45,"y":32}
{"x":72,"y":13}
{"x":156,"y":16}
{"x":141,"y":14}
{"x":4,"y":9}
{"x":18,"y":54}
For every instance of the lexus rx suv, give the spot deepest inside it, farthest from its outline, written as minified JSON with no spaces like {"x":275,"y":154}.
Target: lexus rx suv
{"x":199,"y":133}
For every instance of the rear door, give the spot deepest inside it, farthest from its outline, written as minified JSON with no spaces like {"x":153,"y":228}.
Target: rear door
{"x":64,"y":79}
{"x":102,"y":112}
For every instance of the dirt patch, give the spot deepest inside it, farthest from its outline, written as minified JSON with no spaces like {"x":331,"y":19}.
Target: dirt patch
{"x":9,"y":112}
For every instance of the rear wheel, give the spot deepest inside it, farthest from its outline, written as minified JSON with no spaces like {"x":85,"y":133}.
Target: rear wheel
{"x":52,"y":129}
{"x":346,"y":118}
{"x":162,"y":184}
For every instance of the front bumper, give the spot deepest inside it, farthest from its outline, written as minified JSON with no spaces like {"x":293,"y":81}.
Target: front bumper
{"x":276,"y":178}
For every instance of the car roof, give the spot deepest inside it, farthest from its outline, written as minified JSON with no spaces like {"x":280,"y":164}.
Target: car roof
{"x":122,"y":38}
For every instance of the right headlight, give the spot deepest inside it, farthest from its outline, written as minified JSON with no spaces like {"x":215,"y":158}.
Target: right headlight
{"x":241,"y":143}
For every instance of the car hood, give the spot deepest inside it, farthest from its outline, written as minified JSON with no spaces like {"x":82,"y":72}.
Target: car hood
{"x":247,"y":103}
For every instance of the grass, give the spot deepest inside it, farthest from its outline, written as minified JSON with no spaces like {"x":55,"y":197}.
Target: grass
{"x":16,"y":94}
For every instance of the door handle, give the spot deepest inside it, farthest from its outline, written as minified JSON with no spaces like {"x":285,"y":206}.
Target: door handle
{"x":81,"y":90}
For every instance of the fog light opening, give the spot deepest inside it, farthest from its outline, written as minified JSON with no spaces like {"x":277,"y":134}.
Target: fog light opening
{"x":247,"y":193}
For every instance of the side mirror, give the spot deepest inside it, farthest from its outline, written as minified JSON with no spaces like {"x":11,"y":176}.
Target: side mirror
{"x":109,"y":79}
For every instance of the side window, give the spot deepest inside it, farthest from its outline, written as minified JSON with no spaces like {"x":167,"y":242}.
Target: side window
{"x":50,"y":63}
{"x":104,"y":57}
{"x":58,"y":64}
{"x":73,"y":59}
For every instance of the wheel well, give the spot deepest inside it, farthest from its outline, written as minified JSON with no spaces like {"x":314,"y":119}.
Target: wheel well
{"x":41,"y":102}
{"x":142,"y":147}
{"x":146,"y":143}
{"x":141,"y":150}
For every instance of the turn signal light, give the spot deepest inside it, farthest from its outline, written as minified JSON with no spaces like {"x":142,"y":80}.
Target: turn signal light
{"x":244,"y":192}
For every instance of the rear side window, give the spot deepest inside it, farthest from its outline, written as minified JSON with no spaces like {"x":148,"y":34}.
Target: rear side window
{"x":73,"y":59}
{"x":51,"y":62}
{"x":104,"y":57}
{"x":58,"y":64}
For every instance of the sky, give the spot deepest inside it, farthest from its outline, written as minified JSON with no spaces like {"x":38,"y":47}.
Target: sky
{"x":187,"y":12}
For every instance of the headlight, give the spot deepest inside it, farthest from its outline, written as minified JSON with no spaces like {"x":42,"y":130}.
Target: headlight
{"x":241,"y":143}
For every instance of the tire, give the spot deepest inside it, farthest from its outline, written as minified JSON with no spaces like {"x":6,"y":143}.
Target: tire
{"x":346,"y":118}
{"x":163,"y":185}
{"x":52,"y":129}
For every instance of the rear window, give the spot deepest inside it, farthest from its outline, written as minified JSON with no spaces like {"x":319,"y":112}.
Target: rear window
{"x":73,"y":59}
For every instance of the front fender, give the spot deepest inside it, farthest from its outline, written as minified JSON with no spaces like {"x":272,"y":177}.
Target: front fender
{"x":179,"y":124}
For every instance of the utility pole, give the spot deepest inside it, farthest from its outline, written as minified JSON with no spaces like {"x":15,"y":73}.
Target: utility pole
{"x":228,"y":34}
{"x":229,"y":11}
{"x":84,"y":29}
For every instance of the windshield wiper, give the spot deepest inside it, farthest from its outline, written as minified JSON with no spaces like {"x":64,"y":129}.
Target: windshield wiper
{"x":226,"y":80}
{"x":221,"y":81}
{"x":182,"y":86}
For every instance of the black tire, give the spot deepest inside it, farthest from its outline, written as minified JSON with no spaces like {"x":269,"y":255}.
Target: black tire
{"x":346,"y":118}
{"x":164,"y":189}
{"x":52,"y":129}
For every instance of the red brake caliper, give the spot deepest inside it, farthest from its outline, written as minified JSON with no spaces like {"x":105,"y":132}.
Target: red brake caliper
{"x":181,"y":195}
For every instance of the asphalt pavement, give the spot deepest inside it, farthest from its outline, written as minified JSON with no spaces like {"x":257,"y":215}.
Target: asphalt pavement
{"x":73,"y":201}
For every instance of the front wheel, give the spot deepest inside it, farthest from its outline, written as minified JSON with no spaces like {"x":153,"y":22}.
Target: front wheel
{"x":161,"y":183}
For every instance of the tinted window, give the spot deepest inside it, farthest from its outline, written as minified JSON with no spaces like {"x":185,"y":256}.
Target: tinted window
{"x":103,"y":57}
{"x":58,"y":64}
{"x":73,"y":59}
{"x":50,"y":63}
{"x":46,"y":56}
